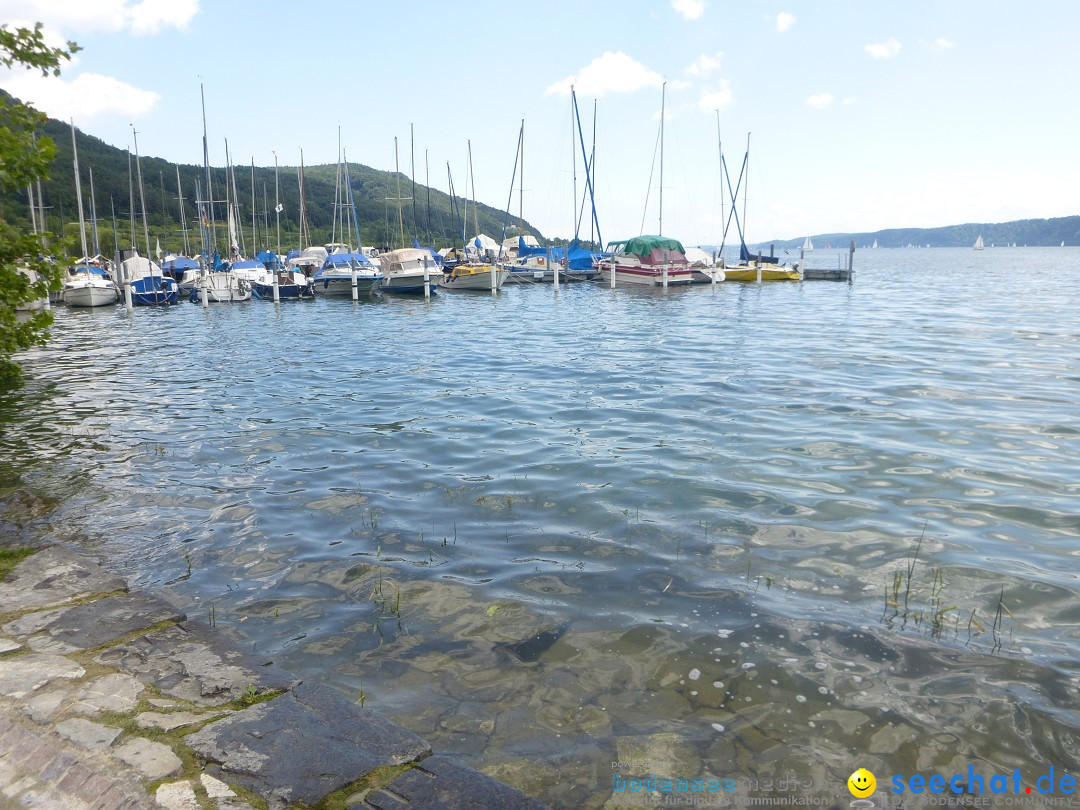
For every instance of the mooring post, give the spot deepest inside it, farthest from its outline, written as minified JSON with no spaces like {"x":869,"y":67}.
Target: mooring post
{"x":427,"y":279}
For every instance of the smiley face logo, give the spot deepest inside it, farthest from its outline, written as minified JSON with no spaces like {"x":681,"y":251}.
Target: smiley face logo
{"x":862,"y":783}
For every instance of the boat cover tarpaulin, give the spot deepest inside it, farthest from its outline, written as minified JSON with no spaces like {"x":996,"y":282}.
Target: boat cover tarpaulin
{"x":654,"y":249}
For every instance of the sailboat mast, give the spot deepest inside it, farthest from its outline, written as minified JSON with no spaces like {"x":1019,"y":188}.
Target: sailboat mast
{"x":183,"y":216}
{"x":164,"y":208}
{"x":427,"y":209}
{"x":412,"y":168}
{"x":720,"y":157}
{"x":78,"y":190}
{"x":93,"y":214}
{"x":254,"y":231}
{"x":521,"y":183}
{"x":573,"y":158}
{"x":209,"y":187}
{"x":142,"y":195}
{"x":337,"y":194}
{"x":277,"y":205}
{"x":746,"y":189}
{"x":397,"y":177}
{"x":300,"y":180}
{"x":472,"y":180}
{"x":592,"y":169}
{"x":663,"y":99}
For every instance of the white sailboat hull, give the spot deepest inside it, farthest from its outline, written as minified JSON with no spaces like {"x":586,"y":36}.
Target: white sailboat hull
{"x":90,"y":295}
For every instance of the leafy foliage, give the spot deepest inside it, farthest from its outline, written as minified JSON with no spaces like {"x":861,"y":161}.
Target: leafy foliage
{"x":24,"y":275}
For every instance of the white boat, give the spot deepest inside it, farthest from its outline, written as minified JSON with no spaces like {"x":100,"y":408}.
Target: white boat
{"x":474,"y":276}
{"x":149,"y":286}
{"x":650,"y":260}
{"x":406,"y":270}
{"x":221,"y":287}
{"x":335,"y":277}
{"x":703,"y":268}
{"x":87,"y":285}
{"x":979,"y":243}
{"x":807,"y":245}
{"x":875,"y":244}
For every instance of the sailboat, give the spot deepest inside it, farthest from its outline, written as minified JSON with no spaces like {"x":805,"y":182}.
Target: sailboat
{"x":875,"y":244}
{"x":87,"y":285}
{"x":807,"y":245}
{"x":407,"y":269}
{"x":750,"y":268}
{"x":979,"y":243}
{"x":473,"y":274}
{"x":345,"y":272}
{"x":651,"y":260}
{"x":149,"y":285}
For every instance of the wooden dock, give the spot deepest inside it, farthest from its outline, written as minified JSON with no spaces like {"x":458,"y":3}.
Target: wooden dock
{"x":840,"y":273}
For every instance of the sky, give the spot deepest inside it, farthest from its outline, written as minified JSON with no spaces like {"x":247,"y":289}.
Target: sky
{"x":858,"y":115}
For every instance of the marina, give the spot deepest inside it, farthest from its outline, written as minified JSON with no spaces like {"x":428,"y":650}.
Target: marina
{"x":728,"y":530}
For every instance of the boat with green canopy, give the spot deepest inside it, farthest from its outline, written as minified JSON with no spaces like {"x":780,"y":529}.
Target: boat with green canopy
{"x":651,"y":260}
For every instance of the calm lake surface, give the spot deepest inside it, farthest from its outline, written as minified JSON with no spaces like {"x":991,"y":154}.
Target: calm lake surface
{"x":743,"y":532}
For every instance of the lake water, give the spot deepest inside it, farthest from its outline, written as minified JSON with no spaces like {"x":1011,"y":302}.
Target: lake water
{"x":746,"y":532}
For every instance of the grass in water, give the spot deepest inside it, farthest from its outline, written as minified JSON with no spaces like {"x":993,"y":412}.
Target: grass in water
{"x":10,"y":557}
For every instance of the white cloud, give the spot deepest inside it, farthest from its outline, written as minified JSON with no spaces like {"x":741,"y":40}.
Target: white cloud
{"x":88,"y":97}
{"x":689,"y":9}
{"x":941,"y":44}
{"x":784,"y":21}
{"x":883,"y":50}
{"x":705,"y":64}
{"x":719,"y":98}
{"x":73,"y":18}
{"x":820,"y":101}
{"x":679,"y":84}
{"x":611,"y":73}
{"x":150,"y":16}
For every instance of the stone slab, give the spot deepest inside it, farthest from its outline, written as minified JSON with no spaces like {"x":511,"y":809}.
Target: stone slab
{"x":93,"y":624}
{"x":303,"y":745}
{"x":190,"y":662}
{"x":170,"y":720}
{"x":24,"y":674}
{"x":109,"y":693}
{"x":152,"y":759}
{"x":87,"y":734}
{"x":7,"y":645}
{"x":52,"y":577}
{"x":442,"y":782}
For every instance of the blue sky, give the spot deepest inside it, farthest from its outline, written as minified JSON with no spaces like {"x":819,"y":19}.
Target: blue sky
{"x":863,"y":115}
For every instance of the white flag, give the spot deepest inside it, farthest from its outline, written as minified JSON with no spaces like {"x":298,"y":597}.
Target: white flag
{"x":157,"y":250}
{"x":279,"y":208}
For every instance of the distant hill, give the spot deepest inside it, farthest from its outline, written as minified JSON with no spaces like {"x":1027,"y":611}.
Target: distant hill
{"x":1022,"y":232}
{"x":374,"y":193}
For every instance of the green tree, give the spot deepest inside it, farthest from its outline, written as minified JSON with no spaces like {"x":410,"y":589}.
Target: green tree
{"x":25,"y":275}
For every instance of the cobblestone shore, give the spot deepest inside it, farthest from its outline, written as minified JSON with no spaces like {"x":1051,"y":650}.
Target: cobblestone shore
{"x":110,"y":699}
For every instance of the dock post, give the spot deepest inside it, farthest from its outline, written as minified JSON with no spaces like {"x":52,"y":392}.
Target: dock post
{"x":352,"y":267}
{"x":851,"y":262}
{"x":665,"y":275}
{"x":427,"y":280}
{"x":613,"y":271}
{"x":547,"y":260}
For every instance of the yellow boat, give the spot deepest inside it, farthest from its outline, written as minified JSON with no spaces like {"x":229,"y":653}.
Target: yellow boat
{"x":769,"y":272}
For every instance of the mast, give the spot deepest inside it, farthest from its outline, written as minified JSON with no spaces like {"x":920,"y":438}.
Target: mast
{"x":521,"y":183}
{"x":131,"y":201}
{"x":115,"y":239}
{"x":277,"y":205}
{"x":254,"y":232}
{"x":412,"y":161}
{"x":663,"y":97}
{"x":592,"y":166}
{"x":746,"y":189}
{"x":142,"y":194}
{"x":337,"y":194}
{"x":183,"y":216}
{"x":206,"y":165}
{"x":397,"y":177}
{"x":300,"y":179}
{"x":472,"y":180}
{"x":427,"y":210}
{"x":573,"y":158}
{"x":720,"y":154}
{"x":33,"y":213}
{"x":78,"y":190}
{"x":93,"y":214}
{"x":164,"y":209}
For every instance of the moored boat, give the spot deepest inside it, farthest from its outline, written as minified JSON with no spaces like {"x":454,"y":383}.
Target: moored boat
{"x":406,"y":270}
{"x":474,"y":276}
{"x":654,"y":261}
{"x":335,"y":277}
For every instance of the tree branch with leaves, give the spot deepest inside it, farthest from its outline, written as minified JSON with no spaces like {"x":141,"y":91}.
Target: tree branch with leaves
{"x":26,"y":275}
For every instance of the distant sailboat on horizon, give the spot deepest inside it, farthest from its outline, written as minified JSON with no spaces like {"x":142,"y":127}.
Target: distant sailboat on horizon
{"x":807,"y":245}
{"x":979,"y":243}
{"x":875,"y":244}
